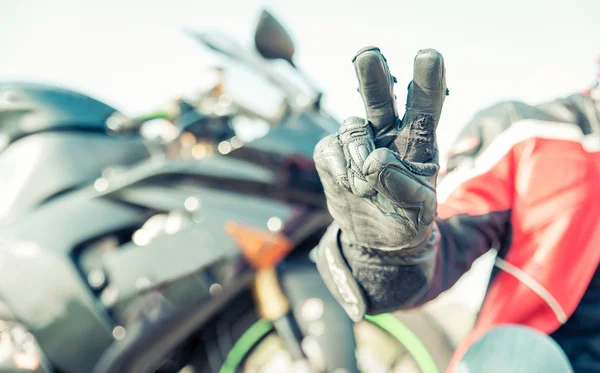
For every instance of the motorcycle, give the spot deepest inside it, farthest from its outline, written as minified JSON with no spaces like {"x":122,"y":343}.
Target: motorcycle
{"x":195,"y":261}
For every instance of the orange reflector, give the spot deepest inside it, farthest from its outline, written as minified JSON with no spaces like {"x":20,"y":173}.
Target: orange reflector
{"x":26,"y":361}
{"x":262,"y":249}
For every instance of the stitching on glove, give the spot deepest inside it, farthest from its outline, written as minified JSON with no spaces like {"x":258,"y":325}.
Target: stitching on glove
{"x":343,"y":181}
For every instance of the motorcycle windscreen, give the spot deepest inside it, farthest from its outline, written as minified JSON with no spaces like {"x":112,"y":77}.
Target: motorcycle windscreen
{"x":251,"y":92}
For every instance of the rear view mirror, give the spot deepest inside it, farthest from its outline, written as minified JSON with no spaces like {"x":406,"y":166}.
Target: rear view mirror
{"x":272,"y":40}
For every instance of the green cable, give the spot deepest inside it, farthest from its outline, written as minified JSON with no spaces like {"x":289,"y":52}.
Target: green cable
{"x":159,"y":114}
{"x":408,"y":339}
{"x":387,"y":322}
{"x":243,"y":345}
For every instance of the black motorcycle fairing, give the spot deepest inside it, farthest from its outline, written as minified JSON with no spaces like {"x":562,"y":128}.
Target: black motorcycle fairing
{"x":38,"y":167}
{"x":155,"y":338}
{"x":152,"y":339}
{"x":44,"y":248}
{"x":43,"y":288}
{"x":29,"y":107}
{"x":287,"y":150}
{"x":218,"y":171}
{"x":178,"y":268}
{"x":199,"y":243}
{"x":236,"y":175}
{"x":296,"y":135}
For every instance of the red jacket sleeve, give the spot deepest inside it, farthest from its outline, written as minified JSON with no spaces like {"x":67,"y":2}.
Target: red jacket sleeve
{"x":476,"y":192}
{"x":475,"y":195}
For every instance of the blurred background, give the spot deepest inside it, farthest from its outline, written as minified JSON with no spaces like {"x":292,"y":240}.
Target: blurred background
{"x":131,"y":54}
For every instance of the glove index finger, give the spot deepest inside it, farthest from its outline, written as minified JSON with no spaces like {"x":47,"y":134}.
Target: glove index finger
{"x":376,"y":87}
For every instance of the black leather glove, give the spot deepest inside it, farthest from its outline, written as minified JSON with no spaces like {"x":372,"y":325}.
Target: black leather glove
{"x":379,"y":177}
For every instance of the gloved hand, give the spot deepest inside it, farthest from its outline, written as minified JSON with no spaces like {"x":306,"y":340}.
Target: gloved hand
{"x":379,"y":177}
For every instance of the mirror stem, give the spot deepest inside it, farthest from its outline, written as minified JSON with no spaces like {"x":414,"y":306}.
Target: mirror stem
{"x":310,"y":83}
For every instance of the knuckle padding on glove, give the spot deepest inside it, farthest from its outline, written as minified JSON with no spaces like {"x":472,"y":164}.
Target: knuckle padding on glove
{"x":330,"y":161}
{"x":408,"y":190}
{"x":356,"y":137}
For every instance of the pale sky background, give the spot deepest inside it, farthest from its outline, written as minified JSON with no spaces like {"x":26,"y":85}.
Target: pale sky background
{"x":131,"y":54}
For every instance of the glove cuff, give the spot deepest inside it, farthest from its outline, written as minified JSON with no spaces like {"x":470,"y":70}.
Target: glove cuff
{"x":337,"y":274}
{"x":373,"y":281}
